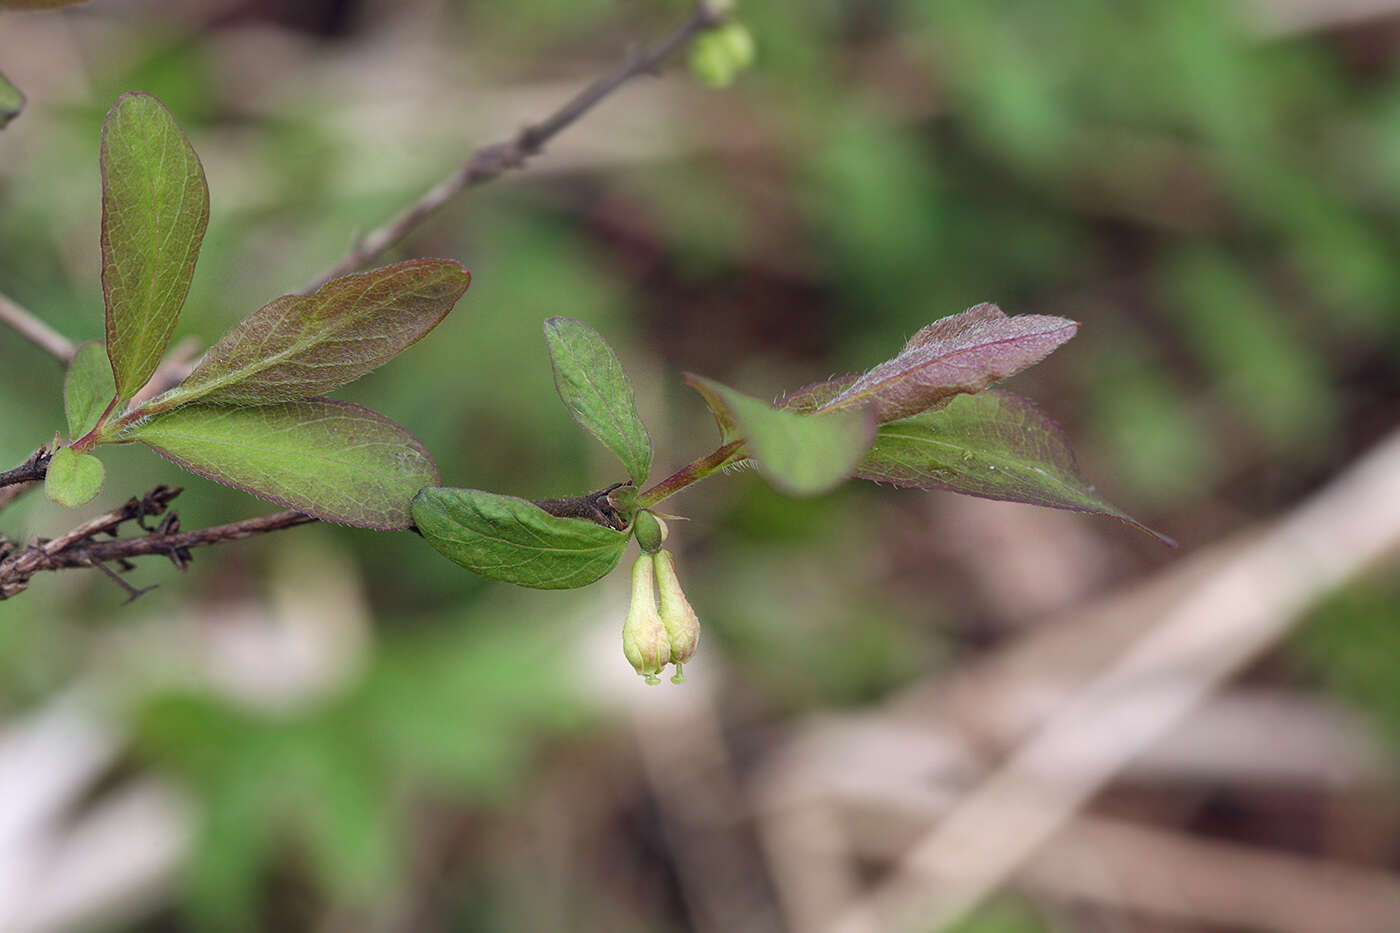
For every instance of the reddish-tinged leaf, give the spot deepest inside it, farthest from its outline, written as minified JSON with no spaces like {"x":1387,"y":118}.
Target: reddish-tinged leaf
{"x":991,"y":444}
{"x":963,"y":353}
{"x":155,"y":206}
{"x":809,"y":398}
{"x":730,"y":430}
{"x":304,"y":345}
{"x":334,"y":460}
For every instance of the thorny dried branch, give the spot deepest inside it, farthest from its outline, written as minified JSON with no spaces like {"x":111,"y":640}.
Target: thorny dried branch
{"x":76,"y":549}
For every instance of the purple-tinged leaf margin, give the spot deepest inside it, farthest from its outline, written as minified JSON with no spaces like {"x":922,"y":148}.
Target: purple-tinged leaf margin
{"x":959,"y":354}
{"x":299,"y":346}
{"x":992,"y":444}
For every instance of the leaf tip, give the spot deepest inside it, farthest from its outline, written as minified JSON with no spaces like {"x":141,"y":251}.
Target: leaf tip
{"x":1168,"y":540}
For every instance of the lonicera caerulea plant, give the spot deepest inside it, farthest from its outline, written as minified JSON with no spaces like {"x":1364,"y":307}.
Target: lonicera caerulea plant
{"x":253,"y":413}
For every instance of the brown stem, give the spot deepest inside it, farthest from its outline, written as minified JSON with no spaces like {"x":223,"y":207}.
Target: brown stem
{"x":168,"y":543}
{"x":77,"y":548}
{"x":30,"y":471}
{"x":598,"y":507}
{"x":491,"y":160}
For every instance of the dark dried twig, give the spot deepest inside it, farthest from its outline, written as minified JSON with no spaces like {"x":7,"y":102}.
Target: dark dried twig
{"x":172,"y":545}
{"x":77,"y":548}
{"x":30,"y":471}
{"x":598,"y":507}
{"x":490,"y":161}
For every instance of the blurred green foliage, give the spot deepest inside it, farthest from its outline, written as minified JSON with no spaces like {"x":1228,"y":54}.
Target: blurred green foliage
{"x":1001,"y":917}
{"x":1352,"y":643}
{"x":457,"y":709}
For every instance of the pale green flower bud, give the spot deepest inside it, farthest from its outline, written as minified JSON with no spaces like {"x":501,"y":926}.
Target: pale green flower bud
{"x":650,"y":531}
{"x":682,"y":625}
{"x":644,"y":638}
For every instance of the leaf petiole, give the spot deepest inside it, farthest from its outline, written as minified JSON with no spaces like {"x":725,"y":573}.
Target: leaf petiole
{"x":94,"y":437}
{"x":692,"y":473}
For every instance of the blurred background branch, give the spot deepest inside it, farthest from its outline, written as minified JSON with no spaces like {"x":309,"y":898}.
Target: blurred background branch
{"x":1246,"y":597}
{"x":491,"y":160}
{"x":35,"y":331}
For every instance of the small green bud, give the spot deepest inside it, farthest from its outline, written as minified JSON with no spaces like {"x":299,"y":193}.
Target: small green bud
{"x":709,"y":62}
{"x":644,"y":639}
{"x":682,"y":625}
{"x":739,"y":42}
{"x":650,"y":531}
{"x":718,"y":55}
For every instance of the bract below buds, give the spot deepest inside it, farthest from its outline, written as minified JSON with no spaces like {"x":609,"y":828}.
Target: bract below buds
{"x":682,"y":625}
{"x":644,"y":638}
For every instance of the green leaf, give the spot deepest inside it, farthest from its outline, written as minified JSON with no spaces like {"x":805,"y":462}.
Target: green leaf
{"x":155,"y":206}
{"x":73,"y":479}
{"x":11,"y":101}
{"x":514,"y":540}
{"x":304,"y":345}
{"x":800,"y":454}
{"x":597,"y":392}
{"x":88,"y":388}
{"x":335,"y":460}
{"x":991,"y":444}
{"x":962,"y":353}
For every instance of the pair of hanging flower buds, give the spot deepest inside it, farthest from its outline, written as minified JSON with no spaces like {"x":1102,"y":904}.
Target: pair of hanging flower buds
{"x":661,"y":627}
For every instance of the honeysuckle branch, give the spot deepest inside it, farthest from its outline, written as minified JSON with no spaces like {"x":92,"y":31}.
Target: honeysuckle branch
{"x":35,"y":331}
{"x":76,"y":548}
{"x":491,"y":160}
{"x":483,"y":165}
